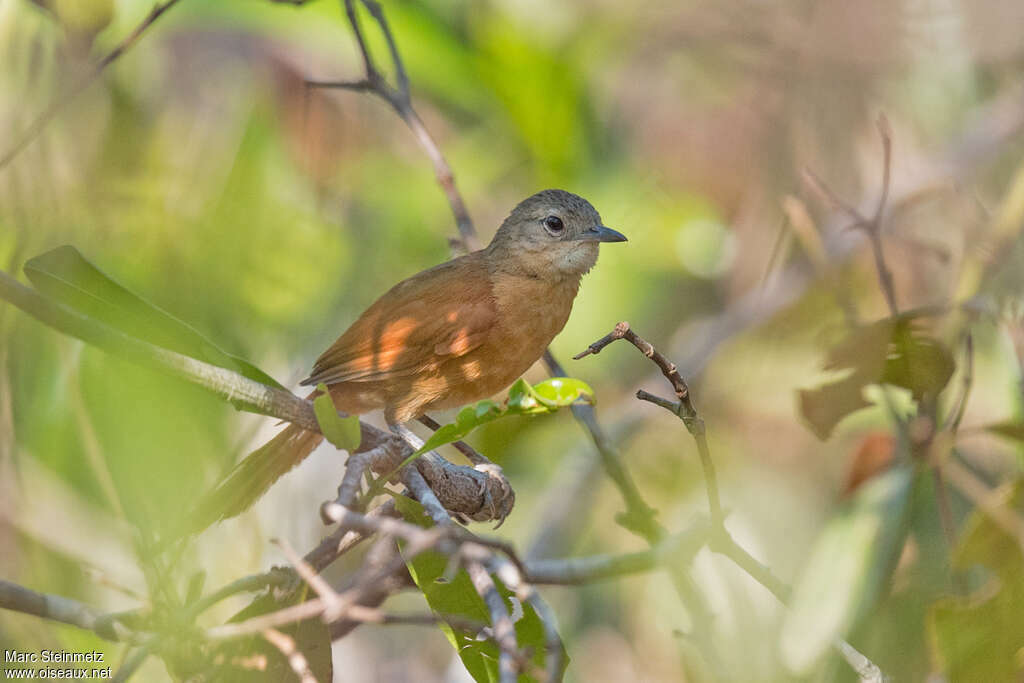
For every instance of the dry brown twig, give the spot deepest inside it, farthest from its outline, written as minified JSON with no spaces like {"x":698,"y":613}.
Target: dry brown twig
{"x":399,"y":98}
{"x":719,"y":540}
{"x":872,"y":226}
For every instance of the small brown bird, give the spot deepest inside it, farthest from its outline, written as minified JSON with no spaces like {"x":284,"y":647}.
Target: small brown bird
{"x":456,"y":333}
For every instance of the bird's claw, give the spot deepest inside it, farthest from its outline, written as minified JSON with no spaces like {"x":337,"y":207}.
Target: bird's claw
{"x":500,"y":507}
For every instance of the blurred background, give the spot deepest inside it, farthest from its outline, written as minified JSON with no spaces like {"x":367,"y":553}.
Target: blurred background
{"x":202,"y":175}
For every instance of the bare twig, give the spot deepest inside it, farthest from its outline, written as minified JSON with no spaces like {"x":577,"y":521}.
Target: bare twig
{"x":872,"y":227}
{"x":64,"y":99}
{"x":332,"y":601}
{"x":247,"y":584}
{"x":65,"y":610}
{"x":343,"y":539}
{"x":683,"y":408}
{"x":718,"y":539}
{"x":676,"y":549}
{"x":398,"y":97}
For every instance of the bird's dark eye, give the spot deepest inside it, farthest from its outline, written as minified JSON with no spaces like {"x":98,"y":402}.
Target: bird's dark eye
{"x":553,"y":224}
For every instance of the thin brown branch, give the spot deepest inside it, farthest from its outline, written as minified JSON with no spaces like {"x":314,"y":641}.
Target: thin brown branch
{"x":332,"y":601}
{"x":718,"y":538}
{"x":683,"y":408}
{"x":343,"y":539}
{"x":398,"y":97}
{"x":62,"y":100}
{"x":872,"y":227}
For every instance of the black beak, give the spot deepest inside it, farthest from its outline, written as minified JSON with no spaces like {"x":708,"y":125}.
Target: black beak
{"x":601,"y":234}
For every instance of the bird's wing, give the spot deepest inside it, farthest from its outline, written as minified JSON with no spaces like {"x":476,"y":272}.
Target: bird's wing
{"x":438,"y":314}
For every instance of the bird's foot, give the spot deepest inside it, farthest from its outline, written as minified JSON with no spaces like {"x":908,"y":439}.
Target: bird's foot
{"x":497,"y":506}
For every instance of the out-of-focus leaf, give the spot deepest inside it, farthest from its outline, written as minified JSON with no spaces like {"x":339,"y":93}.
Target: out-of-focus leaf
{"x":343,"y":432}
{"x":1011,"y":429}
{"x":458,"y":597}
{"x":825,"y":407}
{"x":981,"y":637}
{"x":67,"y":276}
{"x":916,"y":362}
{"x":255,"y":659}
{"x":847,"y":570}
{"x":890,"y":351}
{"x":522,"y":70}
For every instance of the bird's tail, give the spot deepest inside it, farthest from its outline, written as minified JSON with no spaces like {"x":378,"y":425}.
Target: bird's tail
{"x":253,"y":476}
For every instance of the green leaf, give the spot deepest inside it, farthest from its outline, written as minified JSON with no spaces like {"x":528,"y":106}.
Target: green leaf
{"x":563,"y":391}
{"x":67,"y":276}
{"x":981,"y":637}
{"x":521,"y":398}
{"x":848,"y":568}
{"x":547,"y":397}
{"x":916,"y":362}
{"x":890,"y":351}
{"x":458,"y":597}
{"x":344,"y":433}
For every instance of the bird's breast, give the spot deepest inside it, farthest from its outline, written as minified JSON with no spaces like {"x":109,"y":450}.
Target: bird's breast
{"x":530,"y":313}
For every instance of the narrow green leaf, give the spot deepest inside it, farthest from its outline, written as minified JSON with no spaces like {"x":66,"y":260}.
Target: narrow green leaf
{"x":522,"y":400}
{"x":343,"y":432}
{"x":67,"y":276}
{"x":848,"y":568}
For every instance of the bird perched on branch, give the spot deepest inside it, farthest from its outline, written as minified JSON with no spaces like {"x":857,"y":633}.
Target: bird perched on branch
{"x":453,"y":334}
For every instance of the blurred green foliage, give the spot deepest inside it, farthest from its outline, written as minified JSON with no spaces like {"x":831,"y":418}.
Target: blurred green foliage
{"x":201,"y":175}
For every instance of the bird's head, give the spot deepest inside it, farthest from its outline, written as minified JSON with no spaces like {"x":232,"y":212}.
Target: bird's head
{"x":553,"y":232}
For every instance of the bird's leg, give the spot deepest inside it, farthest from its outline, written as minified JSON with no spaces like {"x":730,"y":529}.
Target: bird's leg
{"x":499,"y":508}
{"x":416,"y":443}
